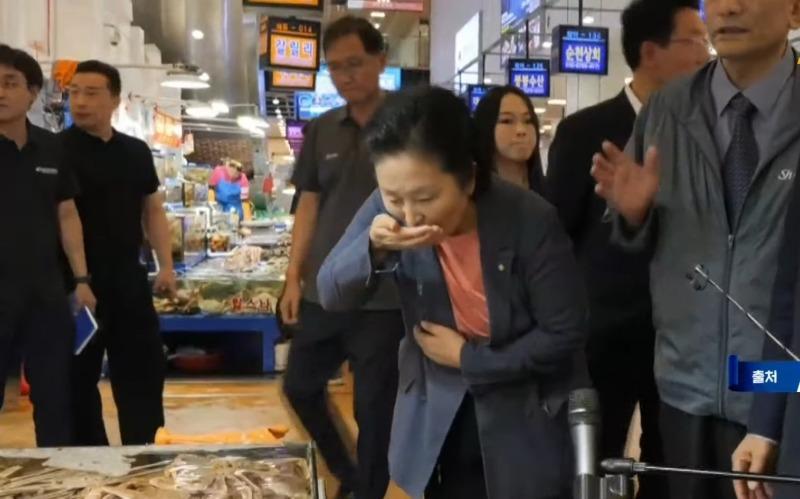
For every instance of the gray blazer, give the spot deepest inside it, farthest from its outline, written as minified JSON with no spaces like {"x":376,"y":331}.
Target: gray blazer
{"x":520,"y":379}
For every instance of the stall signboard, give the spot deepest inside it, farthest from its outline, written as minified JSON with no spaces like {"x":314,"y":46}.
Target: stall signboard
{"x":288,"y":4}
{"x":294,"y":135}
{"x":580,"y":50}
{"x":309,"y":105}
{"x":475,"y":93}
{"x":532,"y":76}
{"x":394,"y":5}
{"x":512,"y":12}
{"x":289,"y":44}
{"x":167,"y":130}
{"x":291,"y":80}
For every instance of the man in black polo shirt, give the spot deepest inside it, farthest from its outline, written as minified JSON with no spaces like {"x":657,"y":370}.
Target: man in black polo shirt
{"x":335,"y":175}
{"x":37,"y":194}
{"x":119,"y":197}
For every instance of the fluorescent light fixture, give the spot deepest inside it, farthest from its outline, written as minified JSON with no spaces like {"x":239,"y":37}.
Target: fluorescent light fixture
{"x":588,"y":20}
{"x":547,"y":128}
{"x":557,"y":102}
{"x":184,"y":80}
{"x":201,"y":110}
{"x":540,"y":110}
{"x":205,"y":77}
{"x":289,"y":191}
{"x":197,"y":34}
{"x":547,"y":45}
{"x":220,"y":106}
{"x":378,"y":14}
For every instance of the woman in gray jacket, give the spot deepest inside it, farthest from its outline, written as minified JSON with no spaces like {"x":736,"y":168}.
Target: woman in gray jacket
{"x":493,"y":304}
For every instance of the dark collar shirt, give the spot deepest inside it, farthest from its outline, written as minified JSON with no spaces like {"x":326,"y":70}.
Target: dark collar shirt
{"x":115,"y":178}
{"x":35,"y":181}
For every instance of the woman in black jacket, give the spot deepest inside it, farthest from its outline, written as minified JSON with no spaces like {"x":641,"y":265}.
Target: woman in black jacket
{"x":508,"y":137}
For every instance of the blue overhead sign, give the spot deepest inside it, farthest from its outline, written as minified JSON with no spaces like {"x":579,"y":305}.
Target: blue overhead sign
{"x":580,"y":50}
{"x":475,"y":93}
{"x":512,"y":12}
{"x":532,"y":76}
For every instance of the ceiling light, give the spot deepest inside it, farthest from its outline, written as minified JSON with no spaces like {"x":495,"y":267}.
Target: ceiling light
{"x":201,"y":110}
{"x":487,"y":81}
{"x":547,"y":128}
{"x":378,"y":14}
{"x":184,"y":79}
{"x":588,"y":20}
{"x":547,"y":45}
{"x":276,"y":101}
{"x":205,"y":77}
{"x":197,"y":34}
{"x":557,"y":102}
{"x":377,"y":25}
{"x":289,"y":191}
{"x":220,"y":106}
{"x":540,"y":110}
{"x":257,"y":132}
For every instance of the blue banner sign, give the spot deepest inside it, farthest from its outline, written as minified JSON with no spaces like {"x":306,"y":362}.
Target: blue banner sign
{"x":532,"y":76}
{"x":580,"y":50}
{"x":766,"y":376}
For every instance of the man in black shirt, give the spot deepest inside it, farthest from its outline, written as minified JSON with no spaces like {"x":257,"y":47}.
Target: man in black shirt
{"x":37,"y":193}
{"x":119,"y":197}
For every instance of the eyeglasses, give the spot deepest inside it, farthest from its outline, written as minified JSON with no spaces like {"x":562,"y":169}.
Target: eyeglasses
{"x":696,"y":43}
{"x":349,"y":67}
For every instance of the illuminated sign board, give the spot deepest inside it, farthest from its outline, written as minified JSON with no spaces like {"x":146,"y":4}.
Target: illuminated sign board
{"x":475,"y":93}
{"x":289,"y":44}
{"x":580,"y":50}
{"x":291,"y":80}
{"x":532,"y":76}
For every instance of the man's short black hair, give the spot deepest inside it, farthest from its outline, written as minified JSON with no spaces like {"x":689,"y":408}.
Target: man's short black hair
{"x":649,"y":21}
{"x":370,"y":37}
{"x":110,"y":72}
{"x":24,"y":63}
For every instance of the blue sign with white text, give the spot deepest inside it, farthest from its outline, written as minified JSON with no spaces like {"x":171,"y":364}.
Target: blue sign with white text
{"x":581,"y":50}
{"x":766,"y":376}
{"x":513,"y":12}
{"x":532,"y":76}
{"x":475,"y":93}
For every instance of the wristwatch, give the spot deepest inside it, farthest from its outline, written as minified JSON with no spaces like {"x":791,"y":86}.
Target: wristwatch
{"x":85,"y":279}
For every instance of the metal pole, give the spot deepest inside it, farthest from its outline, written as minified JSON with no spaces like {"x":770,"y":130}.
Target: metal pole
{"x":580,"y":12}
{"x":527,"y":39}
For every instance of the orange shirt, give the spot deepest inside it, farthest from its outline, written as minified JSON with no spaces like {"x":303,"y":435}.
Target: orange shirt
{"x":460,"y":257}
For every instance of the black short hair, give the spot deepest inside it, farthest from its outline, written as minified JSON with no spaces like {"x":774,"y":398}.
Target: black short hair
{"x":649,"y":21}
{"x":110,"y":72}
{"x":370,"y":37}
{"x":486,"y":115}
{"x":433,"y":122}
{"x":24,"y":63}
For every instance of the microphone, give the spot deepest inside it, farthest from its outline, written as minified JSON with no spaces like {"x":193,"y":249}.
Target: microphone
{"x":584,"y":422}
{"x":700,"y":280}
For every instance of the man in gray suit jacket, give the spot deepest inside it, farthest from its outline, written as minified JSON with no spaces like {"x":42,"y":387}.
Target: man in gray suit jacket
{"x":719,"y":150}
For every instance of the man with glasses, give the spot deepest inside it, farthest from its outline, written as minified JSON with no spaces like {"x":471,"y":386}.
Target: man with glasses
{"x":662,"y":41}
{"x":715,"y":160}
{"x":334,"y":176}
{"x":37,"y":193}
